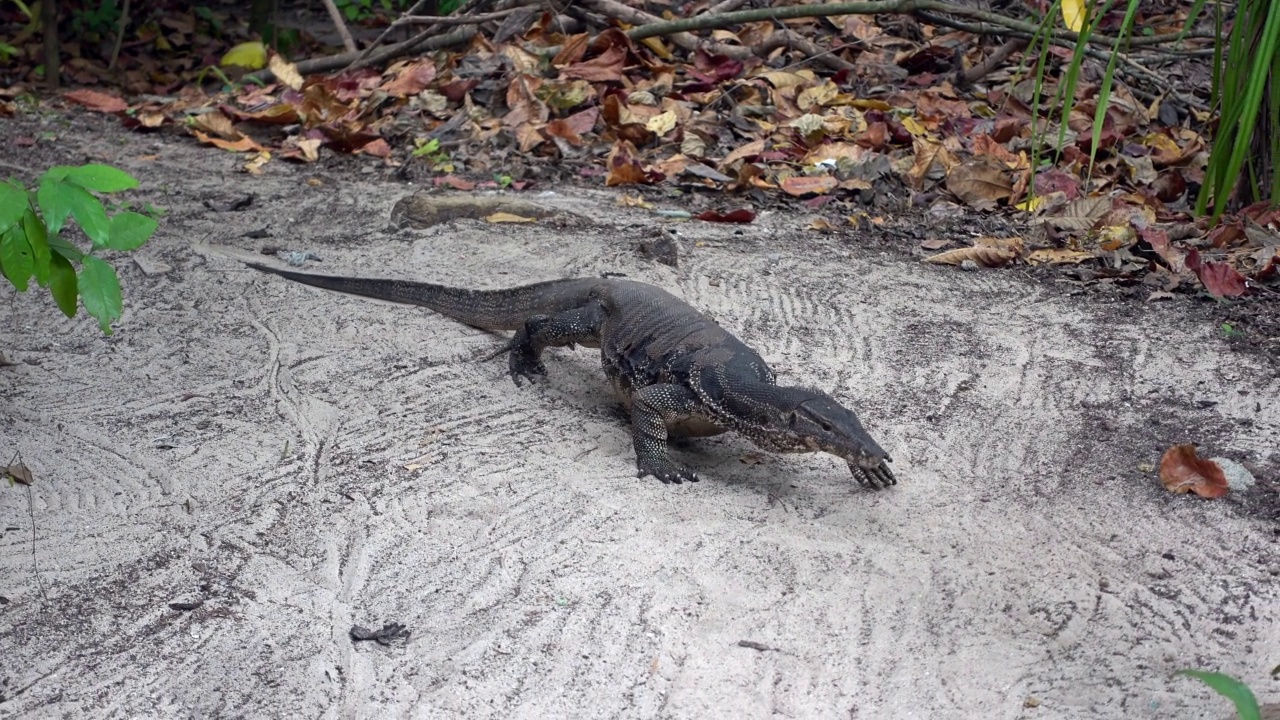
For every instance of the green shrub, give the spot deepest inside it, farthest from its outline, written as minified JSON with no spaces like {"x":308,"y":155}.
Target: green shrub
{"x":32,"y":246}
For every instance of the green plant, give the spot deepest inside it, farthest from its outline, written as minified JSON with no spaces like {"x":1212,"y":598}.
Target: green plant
{"x":1242,"y":75}
{"x":1232,"y":689}
{"x":1090,"y":16}
{"x":101,"y":20}
{"x":32,"y":246}
{"x":431,"y":150}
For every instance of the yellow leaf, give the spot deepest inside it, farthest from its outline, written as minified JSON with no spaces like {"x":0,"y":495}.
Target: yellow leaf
{"x":1073,"y":14}
{"x":505,"y":217}
{"x":655,"y":44}
{"x":662,"y":123}
{"x":285,"y":71}
{"x":913,"y":126}
{"x":251,"y":55}
{"x":1031,"y":204}
{"x":254,"y":166}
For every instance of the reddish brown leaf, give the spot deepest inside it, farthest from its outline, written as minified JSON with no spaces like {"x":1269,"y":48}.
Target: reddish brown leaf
{"x":572,"y":128}
{"x":741,"y":215}
{"x":607,"y":67}
{"x":411,"y":79}
{"x":876,"y":136}
{"x":1169,"y":185}
{"x":1182,"y":471}
{"x":1055,"y":180}
{"x":376,"y":148}
{"x":456,"y":90}
{"x":987,"y":145}
{"x":1158,"y":239}
{"x":1220,"y":279}
{"x":809,"y":184}
{"x":97,"y":101}
{"x":243,"y":144}
{"x":573,"y":49}
{"x":624,"y":167}
{"x":453,"y":182}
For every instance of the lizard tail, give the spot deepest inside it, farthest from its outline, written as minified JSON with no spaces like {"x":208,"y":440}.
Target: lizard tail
{"x":486,"y":309}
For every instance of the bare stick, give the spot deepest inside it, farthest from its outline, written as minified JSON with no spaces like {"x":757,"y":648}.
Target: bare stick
{"x":965,"y":78}
{"x":52,"y":63}
{"x":124,"y":25}
{"x":444,"y":20}
{"x":338,"y":22}
{"x":337,"y":62}
{"x":378,"y":41}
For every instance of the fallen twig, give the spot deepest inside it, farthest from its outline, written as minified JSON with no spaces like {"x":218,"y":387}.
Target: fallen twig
{"x":458,"y":19}
{"x":990,"y":63}
{"x":416,"y":44}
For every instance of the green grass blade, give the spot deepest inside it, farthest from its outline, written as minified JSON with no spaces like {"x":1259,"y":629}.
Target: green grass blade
{"x":1230,"y":688}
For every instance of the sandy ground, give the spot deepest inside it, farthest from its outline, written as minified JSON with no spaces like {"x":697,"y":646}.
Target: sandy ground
{"x":304,"y":462}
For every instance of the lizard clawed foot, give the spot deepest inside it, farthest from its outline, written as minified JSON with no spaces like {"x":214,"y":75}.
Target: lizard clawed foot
{"x":666,"y":471}
{"x":876,"y":478}
{"x":524,"y":365}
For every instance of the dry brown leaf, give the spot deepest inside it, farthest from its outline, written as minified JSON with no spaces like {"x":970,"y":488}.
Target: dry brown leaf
{"x":1057,"y":256}
{"x":410,"y":78}
{"x":99,"y":101}
{"x":624,"y":167}
{"x":1080,"y":215}
{"x":1013,"y":244}
{"x":980,"y":182}
{"x":606,"y":67}
{"x":926,"y":154}
{"x":822,"y":225}
{"x":217,"y":124}
{"x":809,"y":184}
{"x":244,"y":144}
{"x":980,"y":254}
{"x":19,"y":473}
{"x":935,"y":244}
{"x":1182,"y":471}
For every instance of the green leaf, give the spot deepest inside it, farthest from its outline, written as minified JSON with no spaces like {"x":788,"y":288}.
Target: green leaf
{"x":63,"y":286}
{"x":56,"y":173}
{"x":15,"y":256}
{"x":100,"y":291}
{"x":59,"y":245}
{"x":89,"y":213}
{"x":1230,"y":688}
{"x":129,"y":230}
{"x":39,"y":240}
{"x":52,"y":199}
{"x":101,"y":178}
{"x":13,"y":202}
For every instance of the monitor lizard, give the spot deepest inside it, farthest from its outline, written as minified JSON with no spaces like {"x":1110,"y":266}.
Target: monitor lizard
{"x":674,"y":368}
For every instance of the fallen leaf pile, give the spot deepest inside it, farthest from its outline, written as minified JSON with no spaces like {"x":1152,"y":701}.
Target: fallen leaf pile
{"x":876,"y":122}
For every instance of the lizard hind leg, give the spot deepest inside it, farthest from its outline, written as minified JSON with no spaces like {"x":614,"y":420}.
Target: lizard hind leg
{"x":653,"y":408}
{"x":524,"y":350}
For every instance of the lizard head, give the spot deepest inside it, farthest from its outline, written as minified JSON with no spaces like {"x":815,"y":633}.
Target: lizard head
{"x":812,"y":421}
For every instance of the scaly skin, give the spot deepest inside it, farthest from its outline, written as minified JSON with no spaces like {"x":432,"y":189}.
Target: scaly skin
{"x":677,"y":370}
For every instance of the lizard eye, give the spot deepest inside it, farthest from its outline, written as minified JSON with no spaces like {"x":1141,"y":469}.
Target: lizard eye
{"x":826,"y":426}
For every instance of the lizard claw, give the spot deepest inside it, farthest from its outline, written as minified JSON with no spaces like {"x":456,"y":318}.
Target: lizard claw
{"x":666,"y":471}
{"x":527,"y":370}
{"x":876,"y":478}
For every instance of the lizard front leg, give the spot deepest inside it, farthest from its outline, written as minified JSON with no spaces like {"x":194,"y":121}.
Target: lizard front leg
{"x":524,"y":359}
{"x":653,"y":408}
